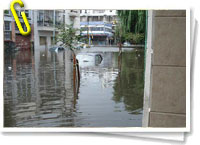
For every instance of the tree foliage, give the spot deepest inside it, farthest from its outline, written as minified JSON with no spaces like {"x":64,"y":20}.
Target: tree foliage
{"x":132,"y":20}
{"x":68,"y":36}
{"x":131,"y":26}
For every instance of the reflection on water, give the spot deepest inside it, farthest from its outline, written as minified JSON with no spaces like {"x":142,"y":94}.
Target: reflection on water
{"x":39,"y":92}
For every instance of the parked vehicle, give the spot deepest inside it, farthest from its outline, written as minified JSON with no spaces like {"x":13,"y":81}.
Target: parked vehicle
{"x":56,"y":48}
{"x":89,"y":59}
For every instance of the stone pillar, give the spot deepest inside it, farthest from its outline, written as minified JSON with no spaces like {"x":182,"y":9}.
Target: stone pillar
{"x":167,"y":69}
{"x":35,"y":31}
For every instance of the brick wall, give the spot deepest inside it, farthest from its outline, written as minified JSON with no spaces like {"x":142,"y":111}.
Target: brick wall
{"x":13,"y":31}
{"x":23,"y":42}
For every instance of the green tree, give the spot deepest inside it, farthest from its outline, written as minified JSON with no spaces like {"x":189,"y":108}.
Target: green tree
{"x":131,"y":26}
{"x":132,"y":20}
{"x":68,"y":36}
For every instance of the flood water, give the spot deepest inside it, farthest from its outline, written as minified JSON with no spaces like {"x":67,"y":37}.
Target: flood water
{"x":39,"y":89}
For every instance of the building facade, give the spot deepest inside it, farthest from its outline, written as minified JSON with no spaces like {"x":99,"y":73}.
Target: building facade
{"x":98,"y":26}
{"x":12,"y":36}
{"x":46,"y":22}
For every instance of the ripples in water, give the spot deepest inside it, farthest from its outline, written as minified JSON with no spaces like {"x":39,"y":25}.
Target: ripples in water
{"x":39,"y":90}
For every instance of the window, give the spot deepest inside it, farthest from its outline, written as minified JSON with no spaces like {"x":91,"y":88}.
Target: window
{"x":18,"y":13}
{"x":40,"y":18}
{"x":7,"y":35}
{"x":74,"y":11}
{"x":7,"y":30}
{"x":48,"y":18}
{"x":7,"y":26}
{"x":23,"y":26}
{"x":101,"y":18}
{"x":95,"y":18}
{"x":27,"y":13}
{"x":43,"y":40}
{"x":6,"y":12}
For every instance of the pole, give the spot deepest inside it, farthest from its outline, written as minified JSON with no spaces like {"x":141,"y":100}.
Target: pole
{"x":88,"y":31}
{"x":54,"y":22}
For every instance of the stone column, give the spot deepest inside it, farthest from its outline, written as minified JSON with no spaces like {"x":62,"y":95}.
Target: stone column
{"x":167,"y":74}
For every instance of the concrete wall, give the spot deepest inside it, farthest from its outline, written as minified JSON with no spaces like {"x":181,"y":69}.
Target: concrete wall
{"x":166,"y":77}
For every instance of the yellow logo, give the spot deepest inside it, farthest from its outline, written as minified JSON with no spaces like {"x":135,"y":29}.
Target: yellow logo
{"x":23,"y":16}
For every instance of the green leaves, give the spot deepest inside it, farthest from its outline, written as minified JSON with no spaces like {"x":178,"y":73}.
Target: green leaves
{"x":67,"y":36}
{"x":131,"y":26}
{"x":132,"y":20}
{"x":137,"y":38}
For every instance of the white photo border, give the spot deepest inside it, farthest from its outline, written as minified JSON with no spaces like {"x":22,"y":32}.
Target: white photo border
{"x":28,"y":5}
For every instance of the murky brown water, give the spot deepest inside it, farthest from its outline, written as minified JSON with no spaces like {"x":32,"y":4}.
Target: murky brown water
{"x":39,"y":90}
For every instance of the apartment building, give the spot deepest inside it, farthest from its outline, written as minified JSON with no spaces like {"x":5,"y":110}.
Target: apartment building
{"x":46,"y":22}
{"x":12,"y":36}
{"x":98,"y":26}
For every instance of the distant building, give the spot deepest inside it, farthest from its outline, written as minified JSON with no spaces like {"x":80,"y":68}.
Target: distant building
{"x":12,"y":36}
{"x":72,"y":17}
{"x":98,"y":26}
{"x":45,"y":22}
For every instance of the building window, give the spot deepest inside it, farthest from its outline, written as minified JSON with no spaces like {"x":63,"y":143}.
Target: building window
{"x":27,"y":13}
{"x":40,"y":18}
{"x":95,"y":18}
{"x":43,"y":40}
{"x":74,"y":11}
{"x":7,"y":12}
{"x":7,"y":30}
{"x":7,"y":35}
{"x":23,"y":26}
{"x":7,"y":25}
{"x":18,"y":13}
{"x":101,"y":18}
{"x":48,"y":18}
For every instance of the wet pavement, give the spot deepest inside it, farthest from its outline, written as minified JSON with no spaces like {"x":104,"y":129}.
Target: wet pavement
{"x":39,"y":88}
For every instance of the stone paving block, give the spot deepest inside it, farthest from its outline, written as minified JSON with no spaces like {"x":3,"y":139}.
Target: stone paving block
{"x":170,"y":13}
{"x":169,"y":41}
{"x":167,"y":120}
{"x":168,"y":89}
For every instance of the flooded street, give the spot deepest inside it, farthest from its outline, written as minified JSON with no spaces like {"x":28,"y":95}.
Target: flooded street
{"x":39,"y":88}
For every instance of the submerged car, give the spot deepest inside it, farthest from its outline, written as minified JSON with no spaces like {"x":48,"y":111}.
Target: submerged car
{"x":89,"y":59}
{"x":56,"y":48}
